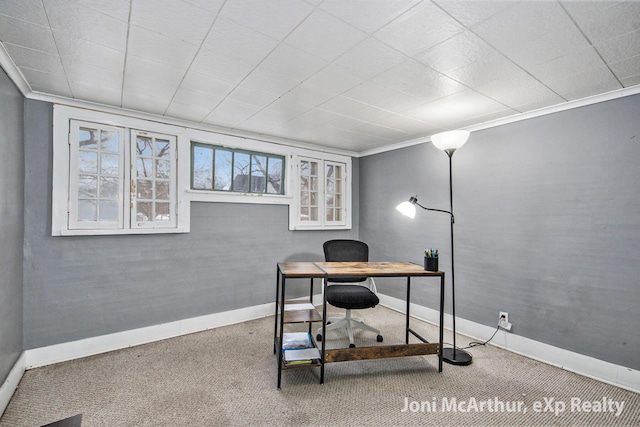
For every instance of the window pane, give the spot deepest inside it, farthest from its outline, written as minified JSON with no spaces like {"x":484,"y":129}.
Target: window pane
{"x":223,"y":170}
{"x":143,"y":146}
{"x":338,"y":215}
{"x":109,"y":164}
{"x":162,"y":190}
{"x":329,"y":214}
{"x":304,"y":213}
{"x":163,"y":212}
{"x":145,"y":189}
{"x":87,"y":186}
{"x":202,"y":168}
{"x":163,"y":148}
{"x":258,"y":174}
{"x":109,"y":141}
{"x":313,"y":214}
{"x":108,"y":210}
{"x":87,"y":138}
{"x":87,"y":210}
{"x":163,"y":169}
{"x":314,"y":168}
{"x":108,"y":187}
{"x":274,"y":183}
{"x":145,"y":168}
{"x":241,"y":172}
{"x":87,"y":162}
{"x":144,"y":211}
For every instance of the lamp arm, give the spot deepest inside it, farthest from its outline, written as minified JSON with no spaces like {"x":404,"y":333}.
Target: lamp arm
{"x":437,"y":210}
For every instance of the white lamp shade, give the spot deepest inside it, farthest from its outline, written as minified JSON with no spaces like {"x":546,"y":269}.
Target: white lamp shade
{"x":451,"y":140}
{"x":407,"y":209}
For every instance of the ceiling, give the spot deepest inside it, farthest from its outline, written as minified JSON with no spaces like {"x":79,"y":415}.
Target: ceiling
{"x":351,"y":74}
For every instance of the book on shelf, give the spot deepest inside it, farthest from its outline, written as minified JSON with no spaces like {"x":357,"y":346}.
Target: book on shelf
{"x":302,"y":356}
{"x":301,"y":306}
{"x":296,"y":340}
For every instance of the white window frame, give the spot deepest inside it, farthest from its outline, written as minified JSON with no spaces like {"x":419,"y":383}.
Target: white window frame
{"x":61,"y":200}
{"x":295,"y":215}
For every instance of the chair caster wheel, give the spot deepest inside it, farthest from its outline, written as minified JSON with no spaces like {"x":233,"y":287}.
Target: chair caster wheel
{"x":379,"y":338}
{"x":352,"y":346}
{"x":319,"y":337}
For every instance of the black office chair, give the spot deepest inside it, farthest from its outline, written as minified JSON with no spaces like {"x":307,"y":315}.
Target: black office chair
{"x":354,"y":293}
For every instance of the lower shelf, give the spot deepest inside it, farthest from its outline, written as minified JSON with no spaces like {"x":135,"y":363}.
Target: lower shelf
{"x":380,"y":352}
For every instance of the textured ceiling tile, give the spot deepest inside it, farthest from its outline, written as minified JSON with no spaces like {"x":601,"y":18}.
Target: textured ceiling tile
{"x":158,"y":47}
{"x":419,"y":29}
{"x":231,"y":40}
{"x":472,"y":12}
{"x":626,"y":68}
{"x":622,"y":47}
{"x":382,"y":131}
{"x":371,"y":18}
{"x":517,"y":91}
{"x":22,"y":33}
{"x":191,"y":97}
{"x":587,"y":83}
{"x":410,"y":77}
{"x":293,"y":63}
{"x":254,"y":97}
{"x":230,"y":114}
{"x":192,"y":112}
{"x":49,"y":83}
{"x":452,"y":109}
{"x":274,"y":18}
{"x":459,"y":51}
{"x":84,"y":23}
{"x":352,"y":108}
{"x":207,"y":84}
{"x":220,"y":67}
{"x":142,"y":102}
{"x":379,"y":96}
{"x":160,"y":16}
{"x":408,"y":124}
{"x":35,"y":59}
{"x":75,"y":51}
{"x":26,"y":10}
{"x":568,"y":65}
{"x":603,"y":20}
{"x":324,"y":36}
{"x":332,"y":80}
{"x":486,"y":69}
{"x":532,"y":32}
{"x":370,"y":58}
{"x":275,"y":84}
{"x":95,"y":75}
{"x":97,"y":93}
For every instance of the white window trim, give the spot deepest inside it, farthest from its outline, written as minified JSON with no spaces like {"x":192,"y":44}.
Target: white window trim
{"x":229,"y":141}
{"x":294,"y":208}
{"x":63,"y":114}
{"x":62,"y":117}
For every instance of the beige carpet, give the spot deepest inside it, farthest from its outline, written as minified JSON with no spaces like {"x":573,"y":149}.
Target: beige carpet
{"x":227,"y":377}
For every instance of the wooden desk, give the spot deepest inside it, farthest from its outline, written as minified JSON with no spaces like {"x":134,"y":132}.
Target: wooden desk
{"x":332,"y":270}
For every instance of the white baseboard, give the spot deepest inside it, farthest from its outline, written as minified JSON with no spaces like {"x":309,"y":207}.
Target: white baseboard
{"x":617,"y":375}
{"x":11,"y":383}
{"x":101,"y":344}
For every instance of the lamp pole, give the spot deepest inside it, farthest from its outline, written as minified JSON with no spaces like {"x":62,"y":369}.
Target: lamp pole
{"x":448,"y":142}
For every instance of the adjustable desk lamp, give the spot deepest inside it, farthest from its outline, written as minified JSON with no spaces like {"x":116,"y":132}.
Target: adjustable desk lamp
{"x":448,"y":142}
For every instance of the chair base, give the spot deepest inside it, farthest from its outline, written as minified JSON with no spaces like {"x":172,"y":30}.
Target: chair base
{"x":349,"y":323}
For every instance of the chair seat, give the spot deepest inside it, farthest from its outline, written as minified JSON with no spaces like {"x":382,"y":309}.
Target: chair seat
{"x":353,"y":297}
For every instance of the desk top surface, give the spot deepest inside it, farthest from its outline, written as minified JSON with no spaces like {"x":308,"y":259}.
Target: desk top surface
{"x":354,"y":269}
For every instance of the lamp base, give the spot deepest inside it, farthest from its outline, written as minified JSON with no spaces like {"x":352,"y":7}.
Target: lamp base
{"x":456,"y":357}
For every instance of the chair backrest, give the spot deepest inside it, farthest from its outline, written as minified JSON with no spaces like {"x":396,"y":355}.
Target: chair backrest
{"x":344,"y":250}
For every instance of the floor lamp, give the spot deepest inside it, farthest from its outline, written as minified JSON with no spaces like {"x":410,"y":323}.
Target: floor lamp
{"x":448,"y":142}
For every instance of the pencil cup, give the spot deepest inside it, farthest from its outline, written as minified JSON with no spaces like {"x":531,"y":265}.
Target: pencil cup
{"x":431,"y":263}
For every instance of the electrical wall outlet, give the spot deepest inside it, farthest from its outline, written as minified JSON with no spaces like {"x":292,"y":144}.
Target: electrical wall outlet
{"x":503,"y":321}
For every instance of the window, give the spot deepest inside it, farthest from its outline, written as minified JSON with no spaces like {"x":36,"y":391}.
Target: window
{"x":114,"y":178}
{"x":322,"y":200}
{"x":225,"y":169}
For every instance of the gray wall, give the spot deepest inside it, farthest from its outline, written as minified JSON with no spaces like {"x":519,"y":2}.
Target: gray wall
{"x":79,"y":287}
{"x":11,"y":223}
{"x":547,"y":225}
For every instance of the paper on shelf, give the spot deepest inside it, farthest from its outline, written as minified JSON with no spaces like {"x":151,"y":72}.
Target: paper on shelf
{"x":303,"y":306}
{"x":302,"y":354}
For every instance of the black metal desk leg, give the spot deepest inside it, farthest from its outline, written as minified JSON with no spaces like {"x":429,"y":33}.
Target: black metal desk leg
{"x":324,"y":326}
{"x":282,"y":293}
{"x":406,"y":339}
{"x":275,"y":318}
{"x":441,"y":322}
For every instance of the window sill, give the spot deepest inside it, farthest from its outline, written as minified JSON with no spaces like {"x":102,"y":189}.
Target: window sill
{"x":212,"y":196}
